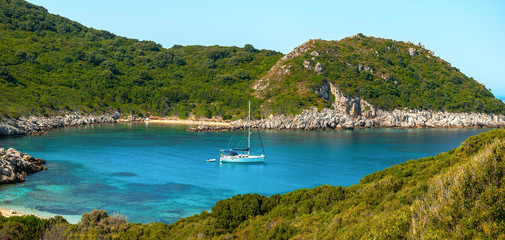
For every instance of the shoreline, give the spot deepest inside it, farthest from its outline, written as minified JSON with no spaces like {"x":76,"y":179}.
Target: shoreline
{"x":12,"y":211}
{"x":188,"y":122}
{"x":334,"y":119}
{"x":35,"y":125}
{"x":308,"y":120}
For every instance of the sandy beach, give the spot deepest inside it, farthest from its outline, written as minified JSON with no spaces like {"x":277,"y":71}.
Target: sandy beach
{"x":10,"y":213}
{"x":179,"y":121}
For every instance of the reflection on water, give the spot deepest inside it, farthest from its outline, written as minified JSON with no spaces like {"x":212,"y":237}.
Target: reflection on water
{"x":158,"y":173}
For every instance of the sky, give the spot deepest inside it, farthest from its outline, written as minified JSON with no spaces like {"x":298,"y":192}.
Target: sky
{"x":468,"y":34}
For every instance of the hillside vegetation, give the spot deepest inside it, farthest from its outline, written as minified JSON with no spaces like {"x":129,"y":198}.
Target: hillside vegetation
{"x":50,"y":65}
{"x":388,"y":74}
{"x":459,"y":194}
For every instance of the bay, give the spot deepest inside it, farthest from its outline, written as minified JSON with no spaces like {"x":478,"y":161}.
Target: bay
{"x":158,"y":173}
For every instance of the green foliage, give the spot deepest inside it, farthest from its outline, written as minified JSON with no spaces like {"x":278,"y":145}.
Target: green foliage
{"x":49,"y":64}
{"x":27,"y":227}
{"x":466,"y":202}
{"x":99,"y":225}
{"x":382,"y":72}
{"x":230,"y":213}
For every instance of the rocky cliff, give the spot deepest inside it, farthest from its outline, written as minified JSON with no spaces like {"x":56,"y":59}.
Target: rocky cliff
{"x":354,"y":112}
{"x":15,"y":165}
{"x":312,"y":119}
{"x":34,"y":125}
{"x":327,"y":119}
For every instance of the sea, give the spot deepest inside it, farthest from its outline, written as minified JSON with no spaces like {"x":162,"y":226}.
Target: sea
{"x":159,"y":173}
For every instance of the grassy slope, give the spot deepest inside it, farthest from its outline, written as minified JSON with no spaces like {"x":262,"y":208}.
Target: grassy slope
{"x":390,"y":78}
{"x":454,"y":195}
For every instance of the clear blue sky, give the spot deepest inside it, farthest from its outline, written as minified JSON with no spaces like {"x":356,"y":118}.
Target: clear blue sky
{"x":468,"y":34}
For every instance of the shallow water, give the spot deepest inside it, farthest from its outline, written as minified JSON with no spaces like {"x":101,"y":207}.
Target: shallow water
{"x":158,"y":173}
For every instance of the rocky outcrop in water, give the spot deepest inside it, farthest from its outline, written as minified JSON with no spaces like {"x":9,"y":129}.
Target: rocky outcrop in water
{"x":15,"y":165}
{"x":36,"y":125}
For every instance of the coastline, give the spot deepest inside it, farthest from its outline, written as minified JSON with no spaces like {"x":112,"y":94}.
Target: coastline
{"x":334,"y":119}
{"x":12,"y":211}
{"x":177,"y":121}
{"x":347,"y":114}
{"x":17,"y":165}
{"x":34,"y":125}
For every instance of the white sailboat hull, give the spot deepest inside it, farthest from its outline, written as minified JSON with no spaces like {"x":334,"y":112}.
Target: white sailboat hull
{"x":232,"y":155}
{"x":242,"y":158}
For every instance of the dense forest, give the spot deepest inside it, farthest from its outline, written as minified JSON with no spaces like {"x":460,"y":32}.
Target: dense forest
{"x":459,"y":194}
{"x":50,"y":65}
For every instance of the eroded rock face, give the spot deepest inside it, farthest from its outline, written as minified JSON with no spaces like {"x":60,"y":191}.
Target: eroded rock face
{"x":312,"y":119}
{"x":307,"y":65}
{"x":33,"y":124}
{"x":324,"y":90}
{"x":413,"y":52}
{"x":319,"y":68}
{"x":15,"y":165}
{"x":354,"y":112}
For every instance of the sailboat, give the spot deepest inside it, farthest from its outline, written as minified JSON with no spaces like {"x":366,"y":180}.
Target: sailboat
{"x":243,"y":155}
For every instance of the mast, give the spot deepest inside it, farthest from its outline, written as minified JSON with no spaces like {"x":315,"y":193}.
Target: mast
{"x":249,"y":134}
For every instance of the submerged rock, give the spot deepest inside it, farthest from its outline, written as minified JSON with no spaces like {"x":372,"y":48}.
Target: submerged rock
{"x":15,"y":165}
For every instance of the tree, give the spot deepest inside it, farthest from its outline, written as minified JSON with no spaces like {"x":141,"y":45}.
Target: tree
{"x":249,"y":48}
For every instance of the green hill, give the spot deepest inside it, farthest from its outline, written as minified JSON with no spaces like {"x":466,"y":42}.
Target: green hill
{"x":388,"y":74}
{"x":454,"y":195}
{"x":50,"y":65}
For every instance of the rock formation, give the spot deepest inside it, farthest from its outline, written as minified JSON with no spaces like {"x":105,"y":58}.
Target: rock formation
{"x":34,"y":124}
{"x":413,"y":52}
{"x":319,"y":68}
{"x":307,"y":64}
{"x":16,"y":165}
{"x":354,"y":112}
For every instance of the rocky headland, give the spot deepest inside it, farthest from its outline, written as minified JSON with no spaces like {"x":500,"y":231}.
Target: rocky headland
{"x":37,"y":125}
{"x":15,"y":165}
{"x":354,"y":112}
{"x":348,"y":112}
{"x":328,"y":119}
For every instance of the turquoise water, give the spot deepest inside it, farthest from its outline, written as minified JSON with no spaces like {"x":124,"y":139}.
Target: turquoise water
{"x":158,"y":173}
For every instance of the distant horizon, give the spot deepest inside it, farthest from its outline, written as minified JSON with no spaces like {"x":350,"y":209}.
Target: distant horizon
{"x":466,"y":34}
